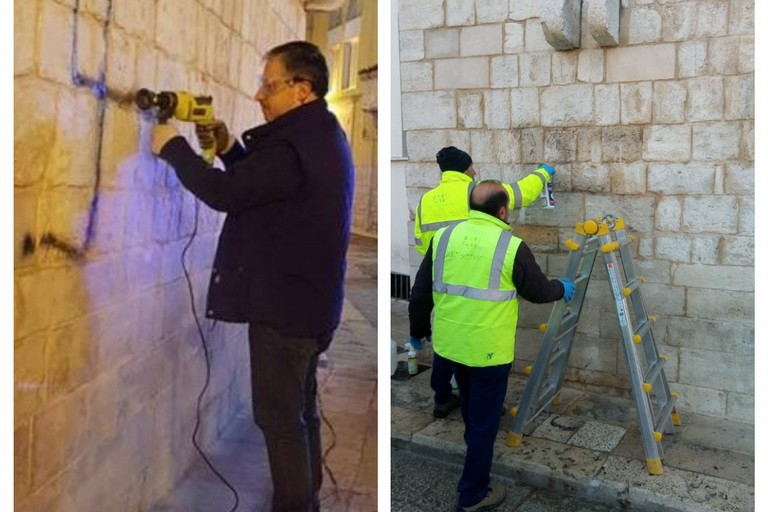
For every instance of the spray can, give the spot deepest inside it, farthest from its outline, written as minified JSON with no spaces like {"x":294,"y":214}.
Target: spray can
{"x":413,"y":364}
{"x":548,"y":200}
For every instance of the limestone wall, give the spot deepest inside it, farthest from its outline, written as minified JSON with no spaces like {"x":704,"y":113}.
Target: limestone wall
{"x":658,"y":129}
{"x":108,"y":360}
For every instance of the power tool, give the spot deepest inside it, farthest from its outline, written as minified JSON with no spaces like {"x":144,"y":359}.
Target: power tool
{"x":182,"y":105}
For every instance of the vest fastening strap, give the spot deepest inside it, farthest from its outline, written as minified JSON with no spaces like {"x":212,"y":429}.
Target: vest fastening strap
{"x":492,"y":293}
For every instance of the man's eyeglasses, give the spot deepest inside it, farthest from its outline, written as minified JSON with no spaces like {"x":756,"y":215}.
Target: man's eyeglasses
{"x":273,"y":86}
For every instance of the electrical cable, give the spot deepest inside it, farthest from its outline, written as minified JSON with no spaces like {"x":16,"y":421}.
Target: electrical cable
{"x":327,"y":451}
{"x":207,"y":362}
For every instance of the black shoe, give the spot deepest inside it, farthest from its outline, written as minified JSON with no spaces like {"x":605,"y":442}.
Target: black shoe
{"x":443,"y":410}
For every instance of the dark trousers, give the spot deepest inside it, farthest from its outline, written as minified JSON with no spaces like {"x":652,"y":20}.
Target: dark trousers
{"x":442,"y":371}
{"x":284,"y":398}
{"x":482,"y":391}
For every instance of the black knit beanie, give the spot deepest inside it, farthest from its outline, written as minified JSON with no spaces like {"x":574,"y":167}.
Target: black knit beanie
{"x":453,"y":159}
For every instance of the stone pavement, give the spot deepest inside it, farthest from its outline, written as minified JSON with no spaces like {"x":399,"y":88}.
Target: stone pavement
{"x":421,"y":484}
{"x":348,"y":396}
{"x":588,"y":447}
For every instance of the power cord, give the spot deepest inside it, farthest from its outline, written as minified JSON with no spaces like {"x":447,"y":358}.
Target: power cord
{"x":207,"y":362}
{"x":332,"y":445}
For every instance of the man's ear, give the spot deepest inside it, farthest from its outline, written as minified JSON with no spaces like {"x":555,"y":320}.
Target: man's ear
{"x":305,"y":92}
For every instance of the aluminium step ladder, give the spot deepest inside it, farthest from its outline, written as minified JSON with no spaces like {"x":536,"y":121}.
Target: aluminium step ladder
{"x":606,"y":235}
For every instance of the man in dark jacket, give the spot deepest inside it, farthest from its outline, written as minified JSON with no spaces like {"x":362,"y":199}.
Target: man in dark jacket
{"x":280,"y":261}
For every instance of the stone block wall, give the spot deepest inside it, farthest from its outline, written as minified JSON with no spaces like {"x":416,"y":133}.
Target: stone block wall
{"x":658,"y":129}
{"x":108,"y":360}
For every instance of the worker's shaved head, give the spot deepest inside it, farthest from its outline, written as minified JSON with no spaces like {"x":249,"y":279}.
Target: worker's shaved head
{"x":489,"y":196}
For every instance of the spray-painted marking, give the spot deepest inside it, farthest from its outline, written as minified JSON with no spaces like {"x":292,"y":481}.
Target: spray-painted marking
{"x":99,"y":88}
{"x":28,"y":246}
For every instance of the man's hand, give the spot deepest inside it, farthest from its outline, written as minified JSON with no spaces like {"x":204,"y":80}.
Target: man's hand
{"x":548,"y":168}
{"x":569,"y":289}
{"x":161,"y":134}
{"x":216,"y":135}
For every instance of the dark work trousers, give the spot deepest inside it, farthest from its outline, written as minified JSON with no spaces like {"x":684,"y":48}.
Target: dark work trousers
{"x":442,"y":371}
{"x":482,"y":391}
{"x":284,"y":398}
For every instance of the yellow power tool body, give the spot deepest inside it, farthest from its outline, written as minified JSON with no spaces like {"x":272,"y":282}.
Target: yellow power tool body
{"x":181,"y":105}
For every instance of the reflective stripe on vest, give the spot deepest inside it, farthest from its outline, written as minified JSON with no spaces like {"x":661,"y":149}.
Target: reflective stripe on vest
{"x":493,"y":292}
{"x":518,"y":199}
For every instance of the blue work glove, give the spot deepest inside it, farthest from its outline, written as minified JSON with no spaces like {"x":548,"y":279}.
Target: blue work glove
{"x":548,"y":168}
{"x":569,"y":287}
{"x":416,"y":342}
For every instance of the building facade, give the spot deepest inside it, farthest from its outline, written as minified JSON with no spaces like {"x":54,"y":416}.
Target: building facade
{"x":646,"y":109}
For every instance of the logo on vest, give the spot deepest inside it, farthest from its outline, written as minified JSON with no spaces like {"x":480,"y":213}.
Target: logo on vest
{"x":439,"y":198}
{"x":489,"y":356}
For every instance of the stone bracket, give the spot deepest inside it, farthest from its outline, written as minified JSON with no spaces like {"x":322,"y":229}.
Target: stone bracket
{"x":561,"y":22}
{"x":603,"y":21}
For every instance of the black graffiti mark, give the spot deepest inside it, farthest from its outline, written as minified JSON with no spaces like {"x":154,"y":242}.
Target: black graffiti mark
{"x":29,"y":246}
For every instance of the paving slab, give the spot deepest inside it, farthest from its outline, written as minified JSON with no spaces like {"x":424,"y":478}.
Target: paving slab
{"x":558,"y":428}
{"x":597,"y":436}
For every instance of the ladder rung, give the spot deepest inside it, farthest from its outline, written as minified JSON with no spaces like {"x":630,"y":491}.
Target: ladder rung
{"x":580,"y":278}
{"x":567,"y":323}
{"x":666,"y":414}
{"x":547,"y":394}
{"x":641,"y":331}
{"x":543,"y":402}
{"x":632,"y":286}
{"x":654,"y":370}
{"x":615,"y":245}
{"x":557,"y":354}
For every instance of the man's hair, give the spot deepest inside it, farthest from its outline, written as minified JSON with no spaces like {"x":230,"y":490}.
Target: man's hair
{"x":304,"y":61}
{"x":488,"y":197}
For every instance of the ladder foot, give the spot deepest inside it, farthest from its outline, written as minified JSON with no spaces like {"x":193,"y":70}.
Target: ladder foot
{"x":514,"y":440}
{"x":654,"y":466}
{"x":676,"y":419}
{"x":556,"y":400}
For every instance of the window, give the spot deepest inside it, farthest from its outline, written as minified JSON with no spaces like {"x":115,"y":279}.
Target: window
{"x":345,"y":65}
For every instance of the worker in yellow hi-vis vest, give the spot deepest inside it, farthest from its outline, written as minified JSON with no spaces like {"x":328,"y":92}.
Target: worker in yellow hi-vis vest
{"x":471,"y":277}
{"x":447,"y":204}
